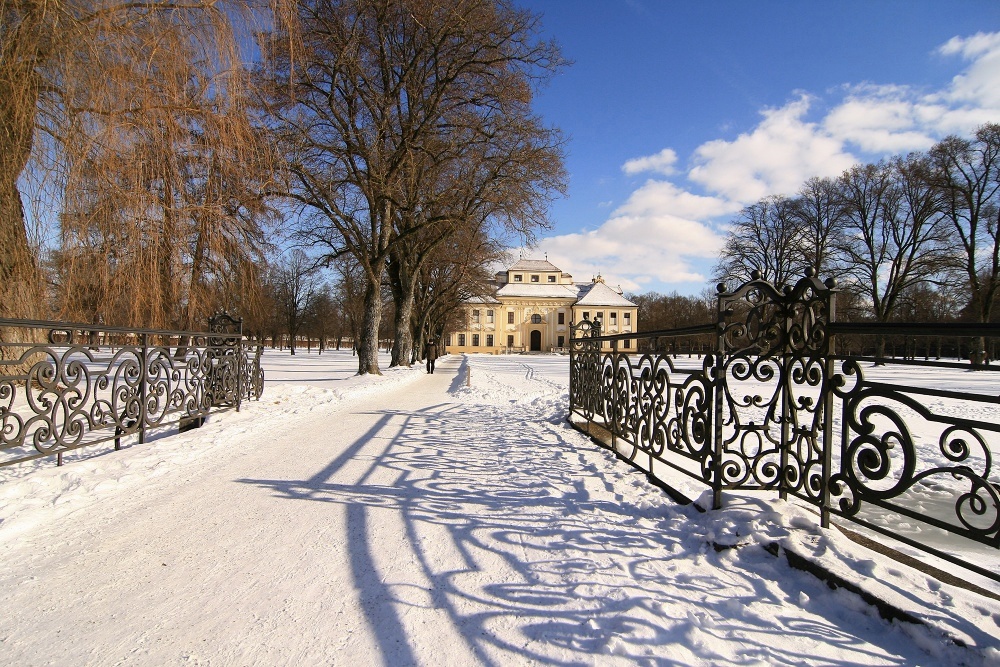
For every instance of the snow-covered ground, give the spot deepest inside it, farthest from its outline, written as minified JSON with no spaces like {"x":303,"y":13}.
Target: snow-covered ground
{"x":452,"y":519}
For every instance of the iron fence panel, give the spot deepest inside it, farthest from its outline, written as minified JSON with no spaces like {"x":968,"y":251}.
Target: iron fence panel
{"x":775,"y":407}
{"x":68,"y":386}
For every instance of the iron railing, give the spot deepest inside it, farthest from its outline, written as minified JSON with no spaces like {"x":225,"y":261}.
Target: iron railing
{"x":66,"y":386}
{"x":773,"y":406}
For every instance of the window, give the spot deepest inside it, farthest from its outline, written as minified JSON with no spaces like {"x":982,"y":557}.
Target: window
{"x":626,"y":344}
{"x":627,"y":318}
{"x":614,"y":319}
{"x":475,"y":316}
{"x":562,"y":318}
{"x":552,"y":279}
{"x":536,"y":319}
{"x":534,"y":279}
{"x":510,"y":317}
{"x":562,"y":341}
{"x":475,"y":340}
{"x":489,"y":340}
{"x":510,"y":341}
{"x":517,"y":277}
{"x":451,"y":338}
{"x":461,"y":340}
{"x":489,"y":317}
{"x":586,"y":314}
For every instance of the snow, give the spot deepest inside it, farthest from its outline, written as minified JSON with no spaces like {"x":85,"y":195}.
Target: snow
{"x":453,"y":519}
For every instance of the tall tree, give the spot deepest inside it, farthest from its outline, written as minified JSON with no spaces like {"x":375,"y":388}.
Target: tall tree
{"x":498,"y":184}
{"x":819,"y":210}
{"x":967,"y":173}
{"x":296,"y":287}
{"x":373,"y":89}
{"x":452,"y":273}
{"x":766,"y":237}
{"x":893,"y":231}
{"x":127,"y":120}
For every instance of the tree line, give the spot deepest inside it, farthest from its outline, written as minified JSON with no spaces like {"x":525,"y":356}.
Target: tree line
{"x":910,"y":238}
{"x":390,"y":145}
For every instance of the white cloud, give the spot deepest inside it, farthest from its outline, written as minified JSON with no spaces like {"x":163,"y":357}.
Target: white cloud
{"x":661,"y":163}
{"x":979,"y":84}
{"x":657,"y":235}
{"x":895,"y":119}
{"x":879,"y":120}
{"x":775,"y":158}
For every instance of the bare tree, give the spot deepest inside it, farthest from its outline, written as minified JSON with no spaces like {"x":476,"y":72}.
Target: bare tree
{"x":819,"y":210}
{"x":893,"y":238}
{"x":450,"y":275}
{"x":967,"y":174}
{"x":348,"y":294}
{"x":296,"y":288}
{"x":765,"y":237}
{"x":497,"y":186}
{"x":375,"y":87}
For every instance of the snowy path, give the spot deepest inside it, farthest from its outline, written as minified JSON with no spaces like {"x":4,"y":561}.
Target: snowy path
{"x":423,"y":524}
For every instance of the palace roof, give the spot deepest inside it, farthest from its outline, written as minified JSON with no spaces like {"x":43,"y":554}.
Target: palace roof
{"x":599,"y":294}
{"x":537,"y":291}
{"x":534,"y":265}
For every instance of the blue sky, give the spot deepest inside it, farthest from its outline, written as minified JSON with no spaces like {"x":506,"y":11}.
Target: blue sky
{"x":679,"y":113}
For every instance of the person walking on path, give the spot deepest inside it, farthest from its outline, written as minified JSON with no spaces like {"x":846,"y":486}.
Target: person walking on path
{"x":430,"y":353}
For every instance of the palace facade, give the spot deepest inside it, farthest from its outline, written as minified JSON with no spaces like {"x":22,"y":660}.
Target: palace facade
{"x":531,"y":310}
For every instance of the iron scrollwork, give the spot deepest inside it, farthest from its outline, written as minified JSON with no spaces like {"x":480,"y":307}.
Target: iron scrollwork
{"x":944,"y":482}
{"x":773,"y":347}
{"x":63,"y":387}
{"x":774,"y":407}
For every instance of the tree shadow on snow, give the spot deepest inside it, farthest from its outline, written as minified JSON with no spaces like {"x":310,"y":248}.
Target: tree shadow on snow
{"x":523,"y":544}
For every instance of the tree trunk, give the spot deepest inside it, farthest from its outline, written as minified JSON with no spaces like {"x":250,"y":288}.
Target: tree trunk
{"x":402,"y":281}
{"x":19,"y":279}
{"x":370,"y":322}
{"x":20,"y":294}
{"x":402,"y":345}
{"x":20,"y":284}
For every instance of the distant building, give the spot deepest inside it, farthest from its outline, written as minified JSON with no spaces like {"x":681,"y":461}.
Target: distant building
{"x":532,"y":306}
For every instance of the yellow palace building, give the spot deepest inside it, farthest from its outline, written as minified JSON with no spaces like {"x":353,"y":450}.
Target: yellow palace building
{"x":532,"y":307}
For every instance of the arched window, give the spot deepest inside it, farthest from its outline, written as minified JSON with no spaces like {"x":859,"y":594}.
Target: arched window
{"x":536,"y":319}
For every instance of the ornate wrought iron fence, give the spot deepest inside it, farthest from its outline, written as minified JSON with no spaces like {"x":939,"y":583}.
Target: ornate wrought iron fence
{"x":774,"y":406}
{"x":67,"y":386}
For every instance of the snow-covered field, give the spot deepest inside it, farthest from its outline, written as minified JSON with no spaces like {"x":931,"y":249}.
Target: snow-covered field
{"x":412,"y":519}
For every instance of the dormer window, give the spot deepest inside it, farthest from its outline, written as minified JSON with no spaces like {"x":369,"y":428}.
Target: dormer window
{"x":534,"y":279}
{"x":517,"y":277}
{"x":552,"y":279}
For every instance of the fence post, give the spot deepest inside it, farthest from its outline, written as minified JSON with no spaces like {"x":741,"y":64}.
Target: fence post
{"x":830,"y":349}
{"x":143,"y":387}
{"x":784,"y":377}
{"x":241,"y":361}
{"x":614,"y":395}
{"x":718,"y":377}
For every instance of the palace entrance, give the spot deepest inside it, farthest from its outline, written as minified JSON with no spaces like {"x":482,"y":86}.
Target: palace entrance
{"x":536,"y":341}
